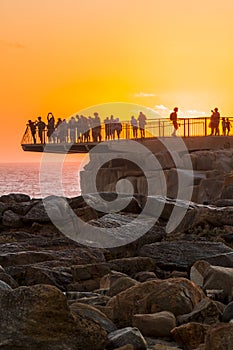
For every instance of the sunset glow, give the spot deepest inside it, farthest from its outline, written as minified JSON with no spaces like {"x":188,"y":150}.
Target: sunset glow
{"x":63,"y":56}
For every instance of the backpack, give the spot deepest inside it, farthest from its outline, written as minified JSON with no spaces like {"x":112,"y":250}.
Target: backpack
{"x":172,"y":116}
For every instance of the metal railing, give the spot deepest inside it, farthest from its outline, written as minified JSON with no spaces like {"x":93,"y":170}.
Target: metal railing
{"x":154,"y":128}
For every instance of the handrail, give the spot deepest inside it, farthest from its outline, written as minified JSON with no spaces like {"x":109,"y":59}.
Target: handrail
{"x":162,"y":127}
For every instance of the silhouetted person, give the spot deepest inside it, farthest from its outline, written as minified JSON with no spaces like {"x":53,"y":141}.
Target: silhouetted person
{"x":142,"y":124}
{"x":51,"y":127}
{"x":107,"y":128}
{"x":72,"y":128}
{"x":118,"y":128}
{"x":134,"y":125}
{"x":173,"y":118}
{"x":224,"y":126}
{"x":216,"y":121}
{"x":32,"y":127}
{"x":228,"y":126}
{"x":96,"y":129}
{"x":41,"y":126}
{"x":112,"y":129}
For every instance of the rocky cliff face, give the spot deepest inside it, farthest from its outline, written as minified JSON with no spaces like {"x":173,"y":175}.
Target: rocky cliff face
{"x":209,"y":178}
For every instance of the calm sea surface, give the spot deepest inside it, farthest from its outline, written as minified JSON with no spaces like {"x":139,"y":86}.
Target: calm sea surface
{"x":25,"y":178}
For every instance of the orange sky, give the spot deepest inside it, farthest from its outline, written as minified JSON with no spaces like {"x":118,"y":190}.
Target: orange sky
{"x":65,"y":55}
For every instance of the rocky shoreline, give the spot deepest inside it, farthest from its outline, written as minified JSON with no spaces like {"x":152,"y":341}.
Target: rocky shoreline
{"x":162,"y":291}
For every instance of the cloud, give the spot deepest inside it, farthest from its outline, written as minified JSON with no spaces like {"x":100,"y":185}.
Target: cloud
{"x":144,"y":94}
{"x":13,"y":44}
{"x":195,"y":112}
{"x":161,"y":108}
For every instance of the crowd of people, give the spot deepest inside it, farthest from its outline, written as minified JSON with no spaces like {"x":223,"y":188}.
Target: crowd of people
{"x":214,"y":124}
{"x":82,"y":129}
{"x":87,"y":129}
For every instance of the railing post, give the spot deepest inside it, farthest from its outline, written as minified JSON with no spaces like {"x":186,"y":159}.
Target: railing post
{"x":188,"y":127}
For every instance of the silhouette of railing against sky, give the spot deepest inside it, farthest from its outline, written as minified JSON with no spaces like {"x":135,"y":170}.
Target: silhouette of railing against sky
{"x":154,"y":128}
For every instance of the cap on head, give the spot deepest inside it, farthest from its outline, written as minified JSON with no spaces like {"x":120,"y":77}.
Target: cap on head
{"x":216,"y":109}
{"x":176,"y":109}
{"x":39,"y":118}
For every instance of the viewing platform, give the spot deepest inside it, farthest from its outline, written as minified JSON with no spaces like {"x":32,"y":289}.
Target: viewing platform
{"x":194,"y":131}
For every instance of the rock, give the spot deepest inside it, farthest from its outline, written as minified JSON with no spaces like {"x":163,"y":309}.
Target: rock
{"x":91,"y":313}
{"x":144,"y":276}
{"x":14,"y":197}
{"x":227,"y":192}
{"x":206,"y":311}
{"x":37,"y":214}
{"x":130,"y":266}
{"x":223,"y":202}
{"x":219,"y":337}
{"x":11,"y":219}
{"x":126,"y":336}
{"x":181,"y":254}
{"x":89,"y":298}
{"x":107,"y":280}
{"x":155,"y":325}
{"x":31,"y":275}
{"x":197,"y":272}
{"x":126,"y":347}
{"x":8,"y":279}
{"x":218,"y":277}
{"x":164,"y":347}
{"x":190,"y":335}
{"x":120,"y":285}
{"x":89,"y":271}
{"x":24,"y":258}
{"x":228,"y":313}
{"x":4,"y":286}
{"x":177,"y":295}
{"x":26,"y":315}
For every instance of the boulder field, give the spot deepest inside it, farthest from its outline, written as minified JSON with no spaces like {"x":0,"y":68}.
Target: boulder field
{"x":162,"y":290}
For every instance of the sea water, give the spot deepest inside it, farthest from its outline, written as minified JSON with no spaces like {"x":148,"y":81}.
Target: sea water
{"x":26,"y":178}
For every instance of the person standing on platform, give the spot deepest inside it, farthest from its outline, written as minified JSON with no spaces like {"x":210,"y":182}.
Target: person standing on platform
{"x":216,"y":121}
{"x":228,"y":126}
{"x":134,"y":125}
{"x":32,"y":127}
{"x":173,"y":118}
{"x":41,"y":127}
{"x":142,"y":124}
{"x":224,"y":126}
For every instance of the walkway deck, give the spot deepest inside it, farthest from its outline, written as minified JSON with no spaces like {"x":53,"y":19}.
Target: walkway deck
{"x":194,"y":132}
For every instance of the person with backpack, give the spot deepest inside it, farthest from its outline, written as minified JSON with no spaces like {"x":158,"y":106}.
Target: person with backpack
{"x":173,"y":118}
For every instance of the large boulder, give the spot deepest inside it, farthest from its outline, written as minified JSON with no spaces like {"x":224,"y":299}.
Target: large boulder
{"x":190,"y":335}
{"x":177,"y":295}
{"x":89,"y":312}
{"x":218,"y":277}
{"x":206,"y":311}
{"x":181,"y":254}
{"x":120,"y":285}
{"x":219,"y":337}
{"x":29,"y":275}
{"x":26,"y":315}
{"x":155,"y":325}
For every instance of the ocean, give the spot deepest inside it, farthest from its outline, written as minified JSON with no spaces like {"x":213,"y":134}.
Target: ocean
{"x":25,"y":178}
